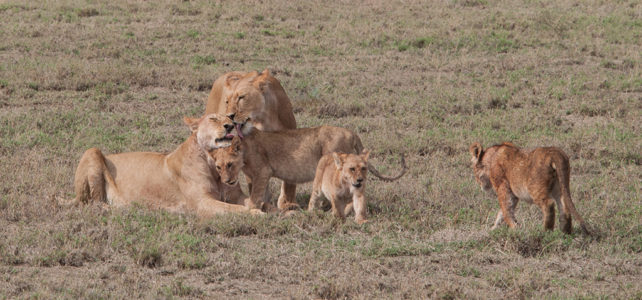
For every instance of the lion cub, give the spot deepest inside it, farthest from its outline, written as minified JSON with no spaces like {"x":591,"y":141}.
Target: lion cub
{"x":342,"y":179}
{"x":540,"y":176}
{"x":290,"y":155}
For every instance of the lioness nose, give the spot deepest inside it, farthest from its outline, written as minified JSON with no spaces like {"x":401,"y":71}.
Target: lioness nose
{"x":359,"y":180}
{"x":228,"y":127}
{"x":231,"y":116}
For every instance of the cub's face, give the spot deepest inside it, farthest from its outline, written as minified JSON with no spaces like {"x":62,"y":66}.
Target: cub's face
{"x":481,"y":165}
{"x":353,"y":168}
{"x":212,"y":131}
{"x":228,"y":162}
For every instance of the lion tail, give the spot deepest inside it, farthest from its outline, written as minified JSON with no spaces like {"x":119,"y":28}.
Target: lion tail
{"x":562,"y":169}
{"x":404,"y":168}
{"x":358,"y":148}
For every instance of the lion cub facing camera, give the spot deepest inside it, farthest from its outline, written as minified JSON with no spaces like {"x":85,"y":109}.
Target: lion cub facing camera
{"x":342,"y":179}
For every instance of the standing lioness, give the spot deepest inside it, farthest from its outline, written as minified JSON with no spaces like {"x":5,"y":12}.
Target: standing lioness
{"x":540,"y":176}
{"x":290,"y":155}
{"x":259,"y":99}
{"x":182,"y":181}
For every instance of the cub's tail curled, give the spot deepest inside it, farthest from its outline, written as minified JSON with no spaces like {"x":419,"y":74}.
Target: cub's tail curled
{"x":376,"y":173}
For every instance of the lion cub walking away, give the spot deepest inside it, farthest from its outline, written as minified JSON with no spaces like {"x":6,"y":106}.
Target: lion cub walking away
{"x":540,"y":176}
{"x":342,"y":179}
{"x":181,"y":181}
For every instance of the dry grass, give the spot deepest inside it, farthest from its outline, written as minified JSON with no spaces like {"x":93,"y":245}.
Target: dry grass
{"x":427,"y":79}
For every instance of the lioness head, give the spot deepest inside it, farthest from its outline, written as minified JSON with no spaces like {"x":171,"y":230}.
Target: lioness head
{"x":353,"y":168}
{"x":248,"y":100}
{"x":229,"y":161}
{"x":212,"y":131}
{"x":481,"y":165}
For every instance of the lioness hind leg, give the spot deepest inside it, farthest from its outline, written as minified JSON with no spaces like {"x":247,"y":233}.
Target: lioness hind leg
{"x":89,"y":180}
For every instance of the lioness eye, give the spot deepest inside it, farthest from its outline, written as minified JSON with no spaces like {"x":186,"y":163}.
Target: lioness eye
{"x":229,"y":165}
{"x":218,"y":167}
{"x":363,"y":168}
{"x":352,"y":169}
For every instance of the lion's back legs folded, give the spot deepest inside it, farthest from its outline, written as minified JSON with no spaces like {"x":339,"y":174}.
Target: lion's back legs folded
{"x":92,"y":180}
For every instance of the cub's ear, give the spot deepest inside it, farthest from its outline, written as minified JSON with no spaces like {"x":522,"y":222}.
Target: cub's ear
{"x":338,"y":161}
{"x":476,"y":150}
{"x":192,"y":123}
{"x":236,"y":144}
{"x":365,"y":154}
{"x":266,"y":72}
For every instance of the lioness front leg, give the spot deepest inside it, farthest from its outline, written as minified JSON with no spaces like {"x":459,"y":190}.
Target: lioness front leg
{"x":208,"y":206}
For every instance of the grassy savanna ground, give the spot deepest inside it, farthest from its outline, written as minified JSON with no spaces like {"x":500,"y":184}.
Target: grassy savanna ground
{"x":423,"y":78}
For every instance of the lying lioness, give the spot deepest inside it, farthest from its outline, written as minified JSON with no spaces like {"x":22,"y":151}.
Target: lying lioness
{"x":290,"y":155}
{"x":540,"y":176}
{"x":182,"y":181}
{"x":341,"y":178}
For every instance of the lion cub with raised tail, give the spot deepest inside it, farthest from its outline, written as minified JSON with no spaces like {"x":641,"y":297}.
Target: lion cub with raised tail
{"x":341,"y":178}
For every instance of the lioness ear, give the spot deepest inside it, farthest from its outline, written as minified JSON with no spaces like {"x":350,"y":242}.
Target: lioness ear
{"x":337,"y":160}
{"x":365,"y":154}
{"x":232,"y":79}
{"x":192,"y":123}
{"x":266,"y":72}
{"x":476,"y":151}
{"x":262,"y":83}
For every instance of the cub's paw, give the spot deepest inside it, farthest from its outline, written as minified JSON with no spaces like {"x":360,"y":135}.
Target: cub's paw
{"x":361,"y":221}
{"x":256,"y":212}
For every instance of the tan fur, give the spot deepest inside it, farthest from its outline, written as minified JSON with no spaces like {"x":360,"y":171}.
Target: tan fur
{"x":255,"y":100}
{"x":290,"y":155}
{"x":221,"y":90}
{"x":182,"y":181}
{"x":540,"y":176}
{"x":342,"y":179}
